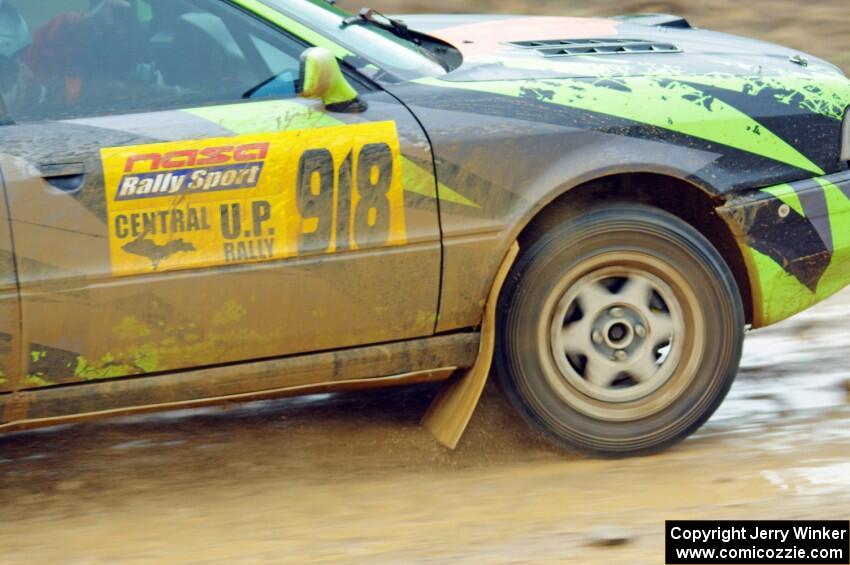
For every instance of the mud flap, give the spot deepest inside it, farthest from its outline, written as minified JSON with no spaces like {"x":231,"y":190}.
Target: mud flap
{"x":451,"y":411}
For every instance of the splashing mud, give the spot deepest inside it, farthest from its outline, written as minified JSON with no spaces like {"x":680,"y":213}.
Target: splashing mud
{"x":353,"y":478}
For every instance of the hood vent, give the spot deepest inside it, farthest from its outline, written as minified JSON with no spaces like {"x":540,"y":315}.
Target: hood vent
{"x":579,"y":47}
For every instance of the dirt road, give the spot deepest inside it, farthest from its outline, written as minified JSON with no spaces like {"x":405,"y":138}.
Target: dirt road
{"x":354,"y":478}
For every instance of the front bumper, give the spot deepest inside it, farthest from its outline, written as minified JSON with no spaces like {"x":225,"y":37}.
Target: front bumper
{"x":795,"y":239}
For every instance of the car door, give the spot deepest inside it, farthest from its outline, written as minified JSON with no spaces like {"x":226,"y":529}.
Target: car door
{"x":174,"y":205}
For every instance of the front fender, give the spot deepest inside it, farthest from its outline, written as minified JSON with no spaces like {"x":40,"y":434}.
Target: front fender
{"x":795,"y":239}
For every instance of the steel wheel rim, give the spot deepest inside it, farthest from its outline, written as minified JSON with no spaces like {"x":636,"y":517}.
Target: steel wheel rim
{"x":636,"y":305}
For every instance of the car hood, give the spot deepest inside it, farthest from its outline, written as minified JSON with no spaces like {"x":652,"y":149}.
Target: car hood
{"x":493,"y":48}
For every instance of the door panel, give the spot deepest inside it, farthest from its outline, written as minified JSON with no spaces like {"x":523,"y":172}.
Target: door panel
{"x":165,"y":217}
{"x":114,"y":287}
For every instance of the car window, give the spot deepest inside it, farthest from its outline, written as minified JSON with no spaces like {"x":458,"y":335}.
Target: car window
{"x":63,"y":59}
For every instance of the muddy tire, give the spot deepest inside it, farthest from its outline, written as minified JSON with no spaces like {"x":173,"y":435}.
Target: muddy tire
{"x":620,"y":331}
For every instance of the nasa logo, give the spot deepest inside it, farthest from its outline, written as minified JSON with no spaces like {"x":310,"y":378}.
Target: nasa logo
{"x":198,"y":157}
{"x":209,"y":169}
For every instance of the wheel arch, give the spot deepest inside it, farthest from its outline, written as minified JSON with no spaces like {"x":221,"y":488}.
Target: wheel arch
{"x":694,"y":204}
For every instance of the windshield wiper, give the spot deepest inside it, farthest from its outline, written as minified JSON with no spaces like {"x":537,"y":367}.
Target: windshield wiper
{"x":255,"y":89}
{"x":376,"y":18}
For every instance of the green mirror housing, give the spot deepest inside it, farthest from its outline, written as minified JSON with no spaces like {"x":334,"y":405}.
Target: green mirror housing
{"x":321,"y":79}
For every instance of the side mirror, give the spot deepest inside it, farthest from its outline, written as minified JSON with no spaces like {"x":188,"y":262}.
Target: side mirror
{"x":322,"y":79}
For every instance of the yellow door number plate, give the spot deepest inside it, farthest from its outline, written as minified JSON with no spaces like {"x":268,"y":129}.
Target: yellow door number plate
{"x":234,"y":200}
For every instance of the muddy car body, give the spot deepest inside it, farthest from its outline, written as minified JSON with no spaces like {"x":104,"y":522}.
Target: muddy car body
{"x":197,"y":232}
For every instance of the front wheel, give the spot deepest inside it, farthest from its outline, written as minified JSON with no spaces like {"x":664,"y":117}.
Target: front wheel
{"x":620,"y":332}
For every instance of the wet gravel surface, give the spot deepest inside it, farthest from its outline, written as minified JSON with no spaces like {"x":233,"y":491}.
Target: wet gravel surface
{"x":354,"y":479}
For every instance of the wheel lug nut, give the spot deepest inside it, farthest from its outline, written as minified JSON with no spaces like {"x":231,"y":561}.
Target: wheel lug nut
{"x":597,"y":337}
{"x":621,"y":355}
{"x":640,"y":331}
{"x":617,"y":312}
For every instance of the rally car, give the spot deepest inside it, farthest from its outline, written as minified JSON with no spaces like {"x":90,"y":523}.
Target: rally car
{"x":214,"y":200}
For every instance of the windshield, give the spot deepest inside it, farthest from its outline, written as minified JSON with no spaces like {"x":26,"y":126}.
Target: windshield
{"x":375,"y":47}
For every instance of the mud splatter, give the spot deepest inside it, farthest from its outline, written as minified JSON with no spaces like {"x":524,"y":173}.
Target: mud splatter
{"x":354,"y":478}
